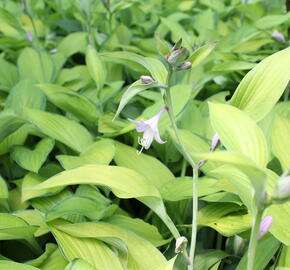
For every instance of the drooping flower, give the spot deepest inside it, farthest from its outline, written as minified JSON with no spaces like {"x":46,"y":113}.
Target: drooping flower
{"x":279,"y":36}
{"x":265,"y":226}
{"x":150,"y":130}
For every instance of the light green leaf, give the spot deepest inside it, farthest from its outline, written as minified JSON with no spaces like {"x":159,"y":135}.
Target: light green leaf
{"x":36,"y":65}
{"x":16,"y":266}
{"x":271,"y":21}
{"x":232,"y":224}
{"x":266,"y":249}
{"x":124,"y":182}
{"x":154,"y":66}
{"x":168,"y":265}
{"x":201,"y":53}
{"x":100,"y":152}
{"x":30,"y":180}
{"x":145,"y":255}
{"x":262,"y":87}
{"x":96,"y":67}
{"x":280,"y":140}
{"x":181,"y":188}
{"x":257,"y":176}
{"x":34,"y":218}
{"x":146,"y":165}
{"x":279,"y":228}
{"x":60,"y":128}
{"x":8,"y":75}
{"x":215,"y":211}
{"x":55,"y":261}
{"x":32,"y":160}
{"x":193,"y":143}
{"x":93,"y":251}
{"x":49,"y":249}
{"x":206,"y":259}
{"x":84,"y":206}
{"x":238,"y":182}
{"x":132,"y":91}
{"x":233,"y":66}
{"x":139,"y":227}
{"x":25,"y":94}
{"x":225,"y":197}
{"x":13,"y":227}
{"x":238,"y":132}
{"x":8,"y":18}
{"x":284,"y":258}
{"x":18,"y":137}
{"x":79,"y":264}
{"x":177,"y":31}
{"x":3,"y":189}
{"x":162,"y":46}
{"x":8,"y":124}
{"x":73,"y":43}
{"x":72,"y":102}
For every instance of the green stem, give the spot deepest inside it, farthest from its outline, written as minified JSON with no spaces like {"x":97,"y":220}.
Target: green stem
{"x":183,"y":168}
{"x":168,"y":103}
{"x":254,"y":240}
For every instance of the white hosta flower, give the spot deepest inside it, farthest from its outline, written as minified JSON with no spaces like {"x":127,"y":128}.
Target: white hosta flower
{"x":150,"y":130}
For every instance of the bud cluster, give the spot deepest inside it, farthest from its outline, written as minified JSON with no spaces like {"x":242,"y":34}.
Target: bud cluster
{"x":177,"y":57}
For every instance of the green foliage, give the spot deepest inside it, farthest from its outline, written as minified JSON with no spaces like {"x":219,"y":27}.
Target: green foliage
{"x":74,"y":194}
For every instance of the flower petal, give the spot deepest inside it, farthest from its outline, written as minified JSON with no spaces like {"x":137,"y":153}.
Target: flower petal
{"x":157,"y":137}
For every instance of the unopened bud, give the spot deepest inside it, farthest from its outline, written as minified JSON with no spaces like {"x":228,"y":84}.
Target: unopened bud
{"x":265,"y":226}
{"x":177,"y":57}
{"x":180,"y":244}
{"x":279,"y":36}
{"x":29,"y":36}
{"x":185,"y":65}
{"x":54,"y":50}
{"x":200,"y":163}
{"x":214,"y":142}
{"x":146,"y":79}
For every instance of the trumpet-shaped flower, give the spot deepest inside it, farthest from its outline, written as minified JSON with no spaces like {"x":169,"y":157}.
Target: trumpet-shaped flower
{"x":150,"y":130}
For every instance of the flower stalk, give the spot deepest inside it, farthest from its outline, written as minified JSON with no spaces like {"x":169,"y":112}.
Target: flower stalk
{"x":254,"y":239}
{"x":168,"y":104}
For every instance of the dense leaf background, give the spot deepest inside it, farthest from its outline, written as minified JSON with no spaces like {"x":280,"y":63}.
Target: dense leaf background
{"x":74,"y":194}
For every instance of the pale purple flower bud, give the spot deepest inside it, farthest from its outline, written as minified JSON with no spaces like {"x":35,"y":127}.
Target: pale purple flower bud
{"x":54,"y":50}
{"x":150,"y":130}
{"x":29,"y":36}
{"x":214,"y":142}
{"x":279,"y":36}
{"x":146,"y":79}
{"x":265,"y":226}
{"x":185,"y":65}
{"x":177,"y":56}
{"x":201,"y":163}
{"x":180,"y":244}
